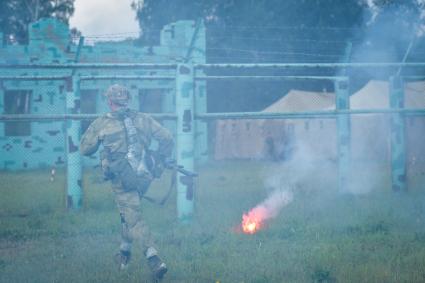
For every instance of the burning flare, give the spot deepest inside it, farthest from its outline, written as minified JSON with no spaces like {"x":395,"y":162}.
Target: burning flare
{"x":253,"y":220}
{"x":269,"y":208}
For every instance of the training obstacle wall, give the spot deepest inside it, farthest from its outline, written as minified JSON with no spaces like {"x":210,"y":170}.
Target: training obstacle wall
{"x":183,"y":80}
{"x":38,"y":144}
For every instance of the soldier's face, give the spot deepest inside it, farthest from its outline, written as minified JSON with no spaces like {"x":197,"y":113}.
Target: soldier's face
{"x":112,"y":105}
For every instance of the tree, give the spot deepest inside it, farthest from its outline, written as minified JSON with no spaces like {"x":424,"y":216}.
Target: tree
{"x":15,"y":15}
{"x":253,"y":31}
{"x":273,"y":25}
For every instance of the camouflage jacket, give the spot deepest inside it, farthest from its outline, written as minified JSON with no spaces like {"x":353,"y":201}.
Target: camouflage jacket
{"x":109,"y":131}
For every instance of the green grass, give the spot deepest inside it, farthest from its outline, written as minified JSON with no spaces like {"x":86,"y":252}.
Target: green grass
{"x":322,"y":236}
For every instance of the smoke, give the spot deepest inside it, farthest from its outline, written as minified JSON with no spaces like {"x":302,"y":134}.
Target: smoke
{"x":282,"y":181}
{"x":269,"y":208}
{"x":272,"y":205}
{"x":389,"y":33}
{"x":388,"y":30}
{"x":313,"y":166}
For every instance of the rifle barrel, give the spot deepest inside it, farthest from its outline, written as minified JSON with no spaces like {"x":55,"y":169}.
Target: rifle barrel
{"x":186,"y":172}
{"x":180,"y":169}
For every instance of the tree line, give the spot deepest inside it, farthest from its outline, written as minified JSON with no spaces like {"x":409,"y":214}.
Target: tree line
{"x":263,"y":31}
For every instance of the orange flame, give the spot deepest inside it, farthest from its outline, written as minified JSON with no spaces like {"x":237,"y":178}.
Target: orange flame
{"x":252,"y":221}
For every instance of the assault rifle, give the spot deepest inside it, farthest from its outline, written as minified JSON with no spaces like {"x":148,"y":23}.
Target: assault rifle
{"x":172,"y":165}
{"x":157,"y":164}
{"x":156,"y":167}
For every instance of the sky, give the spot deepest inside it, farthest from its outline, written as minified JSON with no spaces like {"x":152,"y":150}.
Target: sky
{"x":108,"y":19}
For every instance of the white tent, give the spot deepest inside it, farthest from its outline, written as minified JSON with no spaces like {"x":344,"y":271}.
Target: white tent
{"x":370,"y":132}
{"x":278,"y":139}
{"x":274,"y":139}
{"x":415,"y":126}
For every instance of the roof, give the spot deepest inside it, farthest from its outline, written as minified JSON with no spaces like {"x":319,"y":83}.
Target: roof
{"x":375,"y":94}
{"x":298,"y":100}
{"x":415,"y":94}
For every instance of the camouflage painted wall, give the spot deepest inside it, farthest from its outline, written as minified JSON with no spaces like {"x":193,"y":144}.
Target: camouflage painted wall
{"x":43,"y":143}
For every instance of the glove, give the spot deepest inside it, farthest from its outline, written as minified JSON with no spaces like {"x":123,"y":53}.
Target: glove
{"x":155,"y":163}
{"x":142,"y":171}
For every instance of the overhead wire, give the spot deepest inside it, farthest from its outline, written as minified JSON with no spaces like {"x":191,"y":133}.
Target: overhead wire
{"x":280,"y":27}
{"x":336,"y":46}
{"x":228,"y":49}
{"x":274,"y":52}
{"x":279,"y":39}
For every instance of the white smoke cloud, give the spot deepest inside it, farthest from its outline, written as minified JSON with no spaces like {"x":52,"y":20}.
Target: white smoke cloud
{"x":272,"y":205}
{"x":267,"y":209}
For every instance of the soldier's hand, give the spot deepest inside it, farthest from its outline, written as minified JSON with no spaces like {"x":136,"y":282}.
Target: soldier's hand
{"x":144,"y":173}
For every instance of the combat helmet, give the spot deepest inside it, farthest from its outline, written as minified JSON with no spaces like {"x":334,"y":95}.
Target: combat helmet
{"x":118,"y":94}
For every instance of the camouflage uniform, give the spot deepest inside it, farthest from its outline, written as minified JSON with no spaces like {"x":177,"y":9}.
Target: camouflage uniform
{"x":109,"y":130}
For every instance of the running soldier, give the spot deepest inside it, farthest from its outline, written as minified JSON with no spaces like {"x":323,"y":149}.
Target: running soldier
{"x":126,"y":136}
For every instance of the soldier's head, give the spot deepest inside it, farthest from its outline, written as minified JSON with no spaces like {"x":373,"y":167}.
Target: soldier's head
{"x":118,"y":96}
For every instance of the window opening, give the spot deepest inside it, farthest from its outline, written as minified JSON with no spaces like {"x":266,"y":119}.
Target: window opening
{"x":88,"y":105}
{"x":17,"y":102}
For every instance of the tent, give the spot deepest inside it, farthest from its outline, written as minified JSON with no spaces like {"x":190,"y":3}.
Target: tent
{"x":273,"y":139}
{"x":370,"y":132}
{"x":279,"y":139}
{"x":415,"y":125}
{"x":370,"y":136}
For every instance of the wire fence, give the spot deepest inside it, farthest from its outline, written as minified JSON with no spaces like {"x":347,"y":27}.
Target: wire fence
{"x":290,"y":124}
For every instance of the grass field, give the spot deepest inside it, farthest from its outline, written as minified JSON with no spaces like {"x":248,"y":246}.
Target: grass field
{"x":321,"y":236}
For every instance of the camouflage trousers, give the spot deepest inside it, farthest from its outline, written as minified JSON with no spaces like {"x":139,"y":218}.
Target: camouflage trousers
{"x":134,"y":229}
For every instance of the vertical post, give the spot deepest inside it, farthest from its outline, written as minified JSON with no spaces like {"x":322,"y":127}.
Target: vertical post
{"x":344,"y":132}
{"x":185,"y":139}
{"x":398,"y":143}
{"x":73,"y":128}
{"x":2,"y":133}
{"x":201,"y":128}
{"x":196,"y":54}
{"x":168,"y":105}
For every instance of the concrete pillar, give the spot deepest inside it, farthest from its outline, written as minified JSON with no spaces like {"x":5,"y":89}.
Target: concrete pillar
{"x":73,"y":129}
{"x":343,"y":133}
{"x":2,"y":133}
{"x":201,"y":127}
{"x":169,"y":106}
{"x":398,"y":142}
{"x":185,"y":140}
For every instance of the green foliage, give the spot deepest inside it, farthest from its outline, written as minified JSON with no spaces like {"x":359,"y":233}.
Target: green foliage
{"x":322,"y":236}
{"x":15,"y":15}
{"x":270,"y":31}
{"x":273,"y":31}
{"x":259,"y":25}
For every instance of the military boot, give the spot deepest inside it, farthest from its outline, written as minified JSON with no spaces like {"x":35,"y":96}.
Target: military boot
{"x":157,"y":266}
{"x":122,"y":259}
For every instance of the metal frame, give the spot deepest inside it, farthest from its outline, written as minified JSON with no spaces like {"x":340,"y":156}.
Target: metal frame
{"x":185,"y":112}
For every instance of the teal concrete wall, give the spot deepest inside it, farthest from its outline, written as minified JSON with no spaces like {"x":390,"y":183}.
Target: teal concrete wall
{"x":50,"y":43}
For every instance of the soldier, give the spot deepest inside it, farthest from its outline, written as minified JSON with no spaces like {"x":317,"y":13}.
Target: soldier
{"x":126,"y":135}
